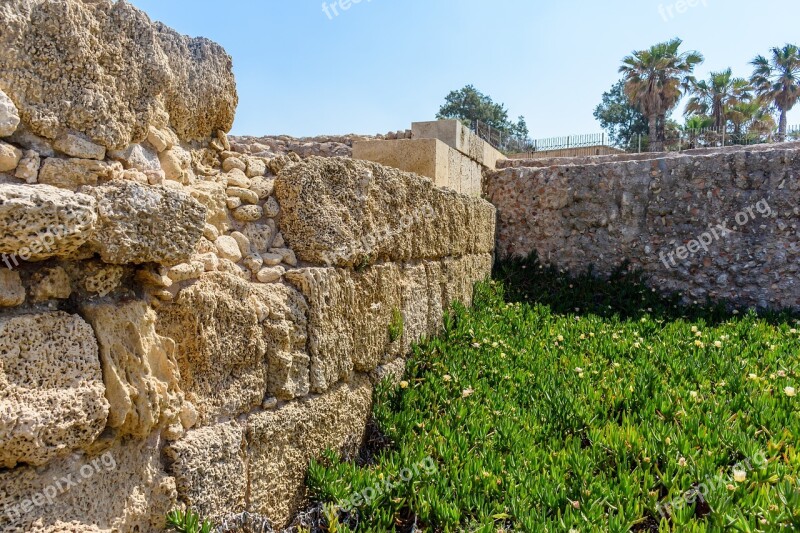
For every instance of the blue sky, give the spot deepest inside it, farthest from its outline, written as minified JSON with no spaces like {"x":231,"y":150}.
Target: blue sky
{"x":382,"y":64}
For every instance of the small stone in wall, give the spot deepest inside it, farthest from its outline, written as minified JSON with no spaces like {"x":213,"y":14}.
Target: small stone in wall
{"x":263,"y":187}
{"x":260,"y":235}
{"x":270,"y":274}
{"x":30,"y":141}
{"x":254,"y":262}
{"x":228,"y":248}
{"x":9,"y":116}
{"x":137,"y":156}
{"x":50,"y":284}
{"x":255,"y":167}
{"x":186,"y":271}
{"x":176,"y":164}
{"x":134,"y":175}
{"x":243,"y":242}
{"x":104,"y":280}
{"x":154,"y":278}
{"x":286,"y":254}
{"x":188,"y":415}
{"x":233,"y":202}
{"x":79,"y":146}
{"x":246,"y":195}
{"x":237,"y":178}
{"x":272,"y":259}
{"x":248,"y":213}
{"x":28,"y":168}
{"x":271,"y":208}
{"x":233,"y":162}
{"x":9,"y":157}
{"x":210,"y":232}
{"x":210,"y":261}
{"x":12,"y":293}
{"x":229,"y":267}
{"x":278,"y":242}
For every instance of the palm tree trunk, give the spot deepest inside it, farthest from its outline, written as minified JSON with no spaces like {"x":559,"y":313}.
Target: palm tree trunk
{"x":782,"y":126}
{"x":655,"y":143}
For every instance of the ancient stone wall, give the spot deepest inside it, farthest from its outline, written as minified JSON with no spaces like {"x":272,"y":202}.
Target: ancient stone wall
{"x":181,"y":323}
{"x":719,"y":224}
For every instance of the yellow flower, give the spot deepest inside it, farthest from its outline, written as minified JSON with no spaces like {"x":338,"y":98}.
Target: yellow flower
{"x":790,"y":392}
{"x":561,"y":338}
{"x":466,"y":393}
{"x":694,"y":329}
{"x":693,"y":394}
{"x":792,"y":331}
{"x":583,"y":336}
{"x":404,"y":384}
{"x":447,"y":378}
{"x":699,"y":344}
{"x":682,"y":462}
{"x":578,"y":370}
{"x":739,"y":476}
{"x":718,"y":344}
{"x":730,"y":487}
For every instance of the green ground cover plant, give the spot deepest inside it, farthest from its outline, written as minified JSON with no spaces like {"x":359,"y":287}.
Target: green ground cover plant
{"x":583,"y":404}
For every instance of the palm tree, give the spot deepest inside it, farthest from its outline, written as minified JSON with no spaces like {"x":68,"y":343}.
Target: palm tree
{"x":751,"y":120}
{"x":695,"y":126}
{"x":716,"y":96}
{"x":777,"y":81}
{"x":655,"y":80}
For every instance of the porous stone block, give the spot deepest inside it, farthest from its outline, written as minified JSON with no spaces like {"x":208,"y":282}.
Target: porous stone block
{"x":9,"y":157}
{"x":9,"y":116}
{"x":348,"y":213}
{"x":145,"y":224}
{"x":210,"y":470}
{"x":281,"y":443}
{"x":349,"y":317}
{"x":117,"y":487}
{"x":40,"y":221}
{"x":139,"y":367}
{"x":235,"y":341}
{"x":52,"y":398}
{"x":73,"y":173}
{"x":158,"y":74}
{"x":77,"y":145}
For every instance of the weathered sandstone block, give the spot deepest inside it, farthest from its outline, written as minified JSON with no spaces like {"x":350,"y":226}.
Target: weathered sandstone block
{"x":51,"y":388}
{"x":345,"y":213}
{"x":235,"y":342}
{"x":10,"y":156}
{"x":281,"y":443}
{"x":12,"y":292}
{"x":139,"y":368}
{"x":349,"y":317}
{"x":73,"y":173}
{"x":118,"y":73}
{"x":144,"y":224}
{"x":41,"y":221}
{"x":210,"y":469}
{"x":121,"y":488}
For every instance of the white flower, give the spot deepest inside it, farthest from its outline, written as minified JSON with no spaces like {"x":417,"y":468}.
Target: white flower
{"x":790,"y":392}
{"x":739,"y":476}
{"x":578,"y":369}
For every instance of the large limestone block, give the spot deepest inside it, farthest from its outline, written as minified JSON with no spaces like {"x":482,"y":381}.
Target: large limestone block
{"x":104,"y":69}
{"x":344,"y":212}
{"x":237,"y":342}
{"x":349,"y":316}
{"x":210,"y":470}
{"x":52,"y":398}
{"x":459,"y":275}
{"x":139,"y":368}
{"x":145,"y":224}
{"x":281,"y":444}
{"x":121,"y":488}
{"x":73,"y":173}
{"x":42,"y":221}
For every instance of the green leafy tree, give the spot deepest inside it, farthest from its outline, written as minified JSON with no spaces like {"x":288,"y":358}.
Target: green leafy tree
{"x":777,"y":81}
{"x":716,"y":97}
{"x":655,"y":80}
{"x":469,"y":105}
{"x":619,"y":117}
